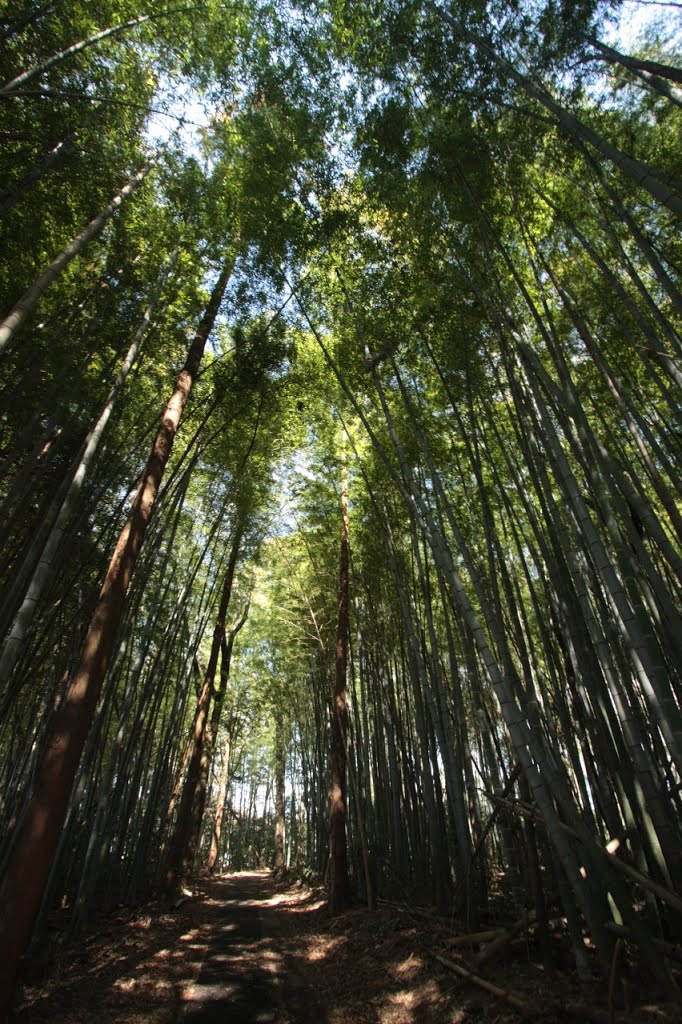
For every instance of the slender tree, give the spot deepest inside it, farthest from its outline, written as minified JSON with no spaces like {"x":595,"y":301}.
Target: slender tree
{"x":339,"y":884}
{"x":29,"y":300}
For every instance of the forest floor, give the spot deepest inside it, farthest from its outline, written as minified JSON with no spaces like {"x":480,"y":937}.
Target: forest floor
{"x":249,"y":949}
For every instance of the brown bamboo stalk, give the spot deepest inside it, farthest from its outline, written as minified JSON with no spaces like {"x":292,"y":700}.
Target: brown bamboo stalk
{"x":504,"y":938}
{"x":38,"y":831}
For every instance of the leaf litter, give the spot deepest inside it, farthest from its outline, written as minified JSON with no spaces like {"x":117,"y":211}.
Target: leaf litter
{"x":139,"y":966}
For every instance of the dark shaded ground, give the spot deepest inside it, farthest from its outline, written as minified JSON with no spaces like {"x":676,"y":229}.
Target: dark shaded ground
{"x":245,"y":949}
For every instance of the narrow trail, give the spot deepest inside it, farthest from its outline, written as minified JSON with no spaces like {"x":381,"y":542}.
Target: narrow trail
{"x":244,"y":978}
{"x":235,"y":951}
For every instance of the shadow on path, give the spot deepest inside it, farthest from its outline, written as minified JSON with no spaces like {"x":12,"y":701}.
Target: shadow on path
{"x":244,"y":978}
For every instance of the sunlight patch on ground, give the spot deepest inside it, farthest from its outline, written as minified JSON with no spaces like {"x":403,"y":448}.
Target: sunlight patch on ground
{"x":408,"y":969}
{"x":405,"y":1005}
{"x":319,"y":947}
{"x":201,"y":992}
{"x":143,"y":983}
{"x":305,"y":908}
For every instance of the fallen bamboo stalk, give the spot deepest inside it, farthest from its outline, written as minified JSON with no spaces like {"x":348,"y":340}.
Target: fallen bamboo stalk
{"x":472,"y":938}
{"x":578,"y":1010}
{"x":671,"y":949}
{"x":527,"y":1009}
{"x":502,"y":940}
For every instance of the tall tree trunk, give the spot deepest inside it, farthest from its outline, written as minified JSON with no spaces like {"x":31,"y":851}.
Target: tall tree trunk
{"x":279,"y":790}
{"x":184,"y":842}
{"x":83,"y":44}
{"x":38,"y":831}
{"x":339,"y":882}
{"x":220,"y":806}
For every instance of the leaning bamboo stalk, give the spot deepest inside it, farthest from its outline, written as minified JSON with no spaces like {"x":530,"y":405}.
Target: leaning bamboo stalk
{"x":496,"y":810}
{"x":640,"y":173}
{"x":45,"y":560}
{"x":29,"y":300}
{"x":10,"y":199}
{"x":636,"y":64}
{"x":671,"y":949}
{"x":671,"y":898}
{"x":11,"y":86}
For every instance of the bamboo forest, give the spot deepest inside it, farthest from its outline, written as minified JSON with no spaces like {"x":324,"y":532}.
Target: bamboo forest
{"x":341,"y":510}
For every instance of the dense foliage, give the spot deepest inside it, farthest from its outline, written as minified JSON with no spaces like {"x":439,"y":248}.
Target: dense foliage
{"x":435,"y":250}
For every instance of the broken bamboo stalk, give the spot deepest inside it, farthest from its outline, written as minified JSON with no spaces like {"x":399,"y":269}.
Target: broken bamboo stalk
{"x":505,"y":938}
{"x":518,"y":768}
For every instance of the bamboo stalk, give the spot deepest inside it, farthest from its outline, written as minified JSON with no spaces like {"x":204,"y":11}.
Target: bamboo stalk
{"x":474,"y":937}
{"x":506,"y":936}
{"x":671,"y":898}
{"x":526,"y":1009}
{"x":612,"y":978}
{"x":518,"y":768}
{"x":671,"y":949}
{"x":578,"y":1010}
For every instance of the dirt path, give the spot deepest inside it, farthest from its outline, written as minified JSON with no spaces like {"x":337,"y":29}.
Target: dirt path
{"x":230,"y":952}
{"x":245,"y":949}
{"x":244,"y":975}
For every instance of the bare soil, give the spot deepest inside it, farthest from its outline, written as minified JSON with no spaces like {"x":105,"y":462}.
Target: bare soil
{"x":146,"y":967}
